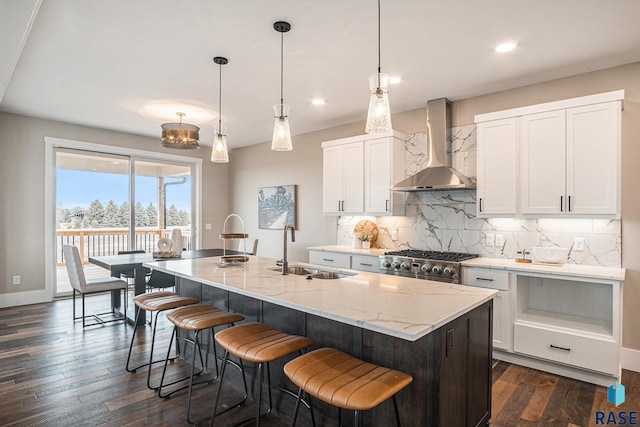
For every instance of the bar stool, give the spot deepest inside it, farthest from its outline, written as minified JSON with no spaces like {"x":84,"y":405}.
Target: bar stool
{"x":344,"y":381}
{"x":195,"y":318}
{"x":257,"y":343}
{"x":154,"y":302}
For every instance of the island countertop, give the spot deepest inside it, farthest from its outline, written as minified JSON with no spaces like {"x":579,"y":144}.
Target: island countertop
{"x":401,"y":307}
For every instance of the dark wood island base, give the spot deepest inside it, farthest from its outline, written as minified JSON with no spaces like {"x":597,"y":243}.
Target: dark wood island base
{"x":451,"y":366}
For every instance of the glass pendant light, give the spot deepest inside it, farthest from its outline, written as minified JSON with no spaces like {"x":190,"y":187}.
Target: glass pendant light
{"x":219,"y":153}
{"x":281,"y":140}
{"x":379,"y":115}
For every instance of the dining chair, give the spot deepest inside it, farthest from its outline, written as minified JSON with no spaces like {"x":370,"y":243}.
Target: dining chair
{"x":85,"y":286}
{"x":129,"y":275}
{"x":251,"y":246}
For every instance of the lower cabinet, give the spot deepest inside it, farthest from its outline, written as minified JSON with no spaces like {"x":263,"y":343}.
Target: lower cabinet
{"x":502,"y":305}
{"x":369,"y":263}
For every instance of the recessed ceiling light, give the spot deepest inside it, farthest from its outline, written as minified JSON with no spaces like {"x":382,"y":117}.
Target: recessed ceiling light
{"x":318,"y":101}
{"x":506,"y":47}
{"x":395,"y":79}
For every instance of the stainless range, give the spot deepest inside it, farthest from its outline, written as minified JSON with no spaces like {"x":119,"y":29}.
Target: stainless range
{"x":430,"y":265}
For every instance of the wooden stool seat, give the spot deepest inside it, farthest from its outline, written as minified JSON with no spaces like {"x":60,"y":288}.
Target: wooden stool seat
{"x":195,"y":318}
{"x":160,"y":301}
{"x":260,"y":344}
{"x":154,"y":302}
{"x":201,"y":316}
{"x":344,"y":381}
{"x":255,"y":342}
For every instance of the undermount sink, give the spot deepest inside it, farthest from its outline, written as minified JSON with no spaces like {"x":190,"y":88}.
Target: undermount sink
{"x":313,"y":273}
{"x":299,"y":271}
{"x":329,"y":275}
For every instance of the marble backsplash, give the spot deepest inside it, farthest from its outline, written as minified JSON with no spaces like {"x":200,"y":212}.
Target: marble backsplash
{"x":446,"y":220}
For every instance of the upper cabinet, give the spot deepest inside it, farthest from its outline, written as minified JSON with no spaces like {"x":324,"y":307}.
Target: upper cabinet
{"x":358,"y":173}
{"x":497,"y":167}
{"x":565,"y":159}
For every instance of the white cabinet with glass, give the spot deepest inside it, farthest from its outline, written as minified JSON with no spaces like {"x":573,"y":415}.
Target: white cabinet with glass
{"x":358,"y":173}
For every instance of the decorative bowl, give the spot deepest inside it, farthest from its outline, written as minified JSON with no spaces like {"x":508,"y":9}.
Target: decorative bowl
{"x":550,"y":254}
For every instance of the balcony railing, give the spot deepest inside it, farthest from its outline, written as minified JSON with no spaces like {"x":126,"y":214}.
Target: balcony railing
{"x":109,"y":241}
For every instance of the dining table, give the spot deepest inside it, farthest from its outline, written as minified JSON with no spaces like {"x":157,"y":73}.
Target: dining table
{"x":118,"y":264}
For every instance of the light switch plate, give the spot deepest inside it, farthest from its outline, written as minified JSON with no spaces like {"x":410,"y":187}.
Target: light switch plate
{"x":578,"y":244}
{"x":490,"y":239}
{"x":207,"y":226}
{"x":499,"y":239}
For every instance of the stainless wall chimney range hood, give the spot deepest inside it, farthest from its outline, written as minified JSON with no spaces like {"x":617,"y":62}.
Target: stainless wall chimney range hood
{"x":438,"y":175}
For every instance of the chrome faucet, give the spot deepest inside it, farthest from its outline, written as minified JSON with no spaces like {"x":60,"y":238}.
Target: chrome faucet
{"x":285,"y":263}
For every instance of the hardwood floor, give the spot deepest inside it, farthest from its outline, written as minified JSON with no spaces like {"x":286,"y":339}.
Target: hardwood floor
{"x":52,"y":373}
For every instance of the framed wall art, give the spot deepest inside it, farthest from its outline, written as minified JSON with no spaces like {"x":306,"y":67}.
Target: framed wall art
{"x":277,"y":207}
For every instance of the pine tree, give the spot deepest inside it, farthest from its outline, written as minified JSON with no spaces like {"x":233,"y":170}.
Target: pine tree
{"x":173,"y":216}
{"x":94,"y":217}
{"x":141,"y":217}
{"x":185,"y":218}
{"x":152,"y":215}
{"x":111,"y":214}
{"x":123,"y":215}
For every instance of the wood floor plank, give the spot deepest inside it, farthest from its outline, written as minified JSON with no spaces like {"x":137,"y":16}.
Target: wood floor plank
{"x":55,"y":373}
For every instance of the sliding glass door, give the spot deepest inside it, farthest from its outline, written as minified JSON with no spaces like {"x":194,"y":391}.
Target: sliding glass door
{"x":98,"y":194}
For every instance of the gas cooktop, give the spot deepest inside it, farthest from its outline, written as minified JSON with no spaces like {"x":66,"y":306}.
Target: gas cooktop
{"x":432,"y":255}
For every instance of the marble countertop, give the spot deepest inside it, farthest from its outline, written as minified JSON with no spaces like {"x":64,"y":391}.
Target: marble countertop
{"x":402,"y":307}
{"x":587,"y":271}
{"x":349,"y":250}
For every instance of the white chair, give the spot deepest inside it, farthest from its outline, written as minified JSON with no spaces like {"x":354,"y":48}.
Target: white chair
{"x":251,"y":246}
{"x":91,"y":286}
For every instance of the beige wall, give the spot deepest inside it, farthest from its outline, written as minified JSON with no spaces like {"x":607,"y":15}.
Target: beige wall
{"x":22,"y":183}
{"x":257,"y":166}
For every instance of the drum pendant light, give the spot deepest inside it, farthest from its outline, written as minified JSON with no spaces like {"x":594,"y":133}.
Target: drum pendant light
{"x":379,"y":115}
{"x":180,"y":135}
{"x":219,"y":153}
{"x":281,"y":140}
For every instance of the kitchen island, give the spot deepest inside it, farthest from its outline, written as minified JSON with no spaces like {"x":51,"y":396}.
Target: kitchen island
{"x":439,"y":333}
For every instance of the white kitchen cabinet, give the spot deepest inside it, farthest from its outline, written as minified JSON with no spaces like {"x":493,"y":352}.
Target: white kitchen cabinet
{"x":569,"y":320}
{"x":542,"y":162}
{"x":343,"y":178}
{"x":383,"y":167}
{"x":593,"y":159}
{"x":358,"y":173}
{"x":497,"y":174}
{"x":331,"y":259}
{"x":569,"y":161}
{"x":502,"y":305}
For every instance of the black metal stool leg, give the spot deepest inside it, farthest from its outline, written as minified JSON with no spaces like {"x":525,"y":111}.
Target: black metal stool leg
{"x":260,"y":375}
{"x":215,"y":403}
{"x":395,"y":408}
{"x":196,"y":347}
{"x":296,"y":408}
{"x":133,"y":337}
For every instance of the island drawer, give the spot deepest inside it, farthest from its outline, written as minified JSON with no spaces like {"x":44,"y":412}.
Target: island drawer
{"x":486,"y":278}
{"x":365,"y":263}
{"x":564,"y":347}
{"x":332,"y":259}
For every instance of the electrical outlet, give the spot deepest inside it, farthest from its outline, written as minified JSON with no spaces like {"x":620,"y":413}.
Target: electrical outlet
{"x":490,"y":239}
{"x":578,"y":244}
{"x":207,"y":226}
{"x":16,"y":280}
{"x":499,"y":239}
{"x":394,"y":234}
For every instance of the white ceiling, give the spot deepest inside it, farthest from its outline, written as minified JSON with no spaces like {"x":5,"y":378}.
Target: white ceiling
{"x":116,"y":64}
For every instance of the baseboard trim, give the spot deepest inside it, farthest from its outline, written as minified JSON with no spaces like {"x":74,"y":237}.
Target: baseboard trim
{"x":25,"y":298}
{"x":630,"y":359}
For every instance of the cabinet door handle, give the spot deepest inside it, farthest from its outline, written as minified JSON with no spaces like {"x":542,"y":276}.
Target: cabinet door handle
{"x":328,"y":260}
{"x":569,"y":201}
{"x":366,"y":265}
{"x":386,"y":205}
{"x":561,"y":204}
{"x":480,"y":201}
{"x":559,"y":348}
{"x":482,"y":278}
